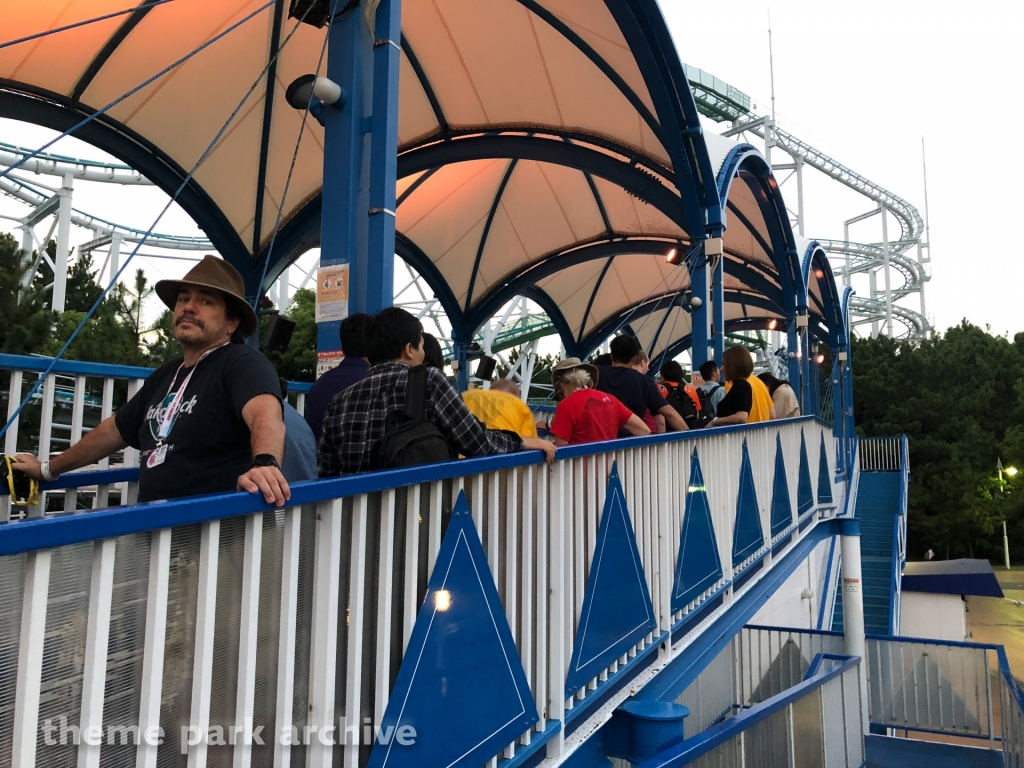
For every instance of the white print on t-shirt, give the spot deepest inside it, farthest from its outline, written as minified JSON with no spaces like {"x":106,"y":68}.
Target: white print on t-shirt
{"x":156,"y":413}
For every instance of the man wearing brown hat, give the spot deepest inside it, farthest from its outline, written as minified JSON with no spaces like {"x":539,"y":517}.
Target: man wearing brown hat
{"x":210,"y":422}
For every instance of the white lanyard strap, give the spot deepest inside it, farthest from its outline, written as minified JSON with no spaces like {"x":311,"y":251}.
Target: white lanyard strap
{"x":166,"y":420}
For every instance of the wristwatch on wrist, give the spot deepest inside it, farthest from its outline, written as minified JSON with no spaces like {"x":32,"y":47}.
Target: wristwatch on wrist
{"x":265,"y":460}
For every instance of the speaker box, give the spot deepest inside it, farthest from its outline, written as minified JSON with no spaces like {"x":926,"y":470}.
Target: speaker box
{"x":485,"y":367}
{"x":278,"y":334}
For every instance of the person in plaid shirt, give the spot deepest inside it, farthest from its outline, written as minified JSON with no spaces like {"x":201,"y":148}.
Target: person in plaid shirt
{"x":354,"y":421}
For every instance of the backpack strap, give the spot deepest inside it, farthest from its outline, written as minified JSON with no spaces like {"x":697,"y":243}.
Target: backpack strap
{"x":416,"y":393}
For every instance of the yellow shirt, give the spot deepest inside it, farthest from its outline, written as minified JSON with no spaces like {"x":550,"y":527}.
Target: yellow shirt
{"x":761,"y":400}
{"x":501,"y":410}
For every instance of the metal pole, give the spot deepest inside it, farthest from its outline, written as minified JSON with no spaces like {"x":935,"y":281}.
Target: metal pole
{"x":853,"y":605}
{"x":718,"y":289}
{"x":846,"y":256}
{"x":377,"y":281}
{"x":700,"y":287}
{"x":885,"y":249}
{"x":873,"y":286}
{"x":60,"y":262}
{"x":800,"y":195}
{"x":1006,"y":540}
{"x":344,"y":229}
{"x":115,"y":253}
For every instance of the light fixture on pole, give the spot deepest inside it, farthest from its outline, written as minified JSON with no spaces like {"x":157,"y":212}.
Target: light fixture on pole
{"x":1011,"y":471}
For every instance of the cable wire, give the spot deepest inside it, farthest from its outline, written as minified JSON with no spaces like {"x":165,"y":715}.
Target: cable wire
{"x":136,"y":89}
{"x":206,"y":153}
{"x":83,"y":23}
{"x":295,"y":157}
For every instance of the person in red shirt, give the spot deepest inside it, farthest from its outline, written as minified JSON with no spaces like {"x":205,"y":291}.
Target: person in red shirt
{"x":585,"y":415}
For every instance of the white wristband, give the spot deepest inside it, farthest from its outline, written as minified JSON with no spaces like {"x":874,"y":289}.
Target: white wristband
{"x":44,"y":470}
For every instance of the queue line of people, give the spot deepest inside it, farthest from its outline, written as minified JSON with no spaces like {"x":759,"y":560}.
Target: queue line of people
{"x":217,"y":418}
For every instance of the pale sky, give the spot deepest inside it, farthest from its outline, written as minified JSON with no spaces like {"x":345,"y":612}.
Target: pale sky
{"x":864,"y":82}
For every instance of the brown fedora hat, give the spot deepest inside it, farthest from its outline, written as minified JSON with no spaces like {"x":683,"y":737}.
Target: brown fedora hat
{"x":216,"y":273}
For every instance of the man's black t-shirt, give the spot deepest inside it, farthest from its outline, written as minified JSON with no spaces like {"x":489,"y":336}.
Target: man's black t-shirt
{"x":634,"y":390}
{"x":208,"y":446}
{"x":740,"y":397}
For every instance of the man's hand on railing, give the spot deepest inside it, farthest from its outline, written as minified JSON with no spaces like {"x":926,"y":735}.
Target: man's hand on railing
{"x":266,"y":480}
{"x":539,"y":444}
{"x":28,"y":465}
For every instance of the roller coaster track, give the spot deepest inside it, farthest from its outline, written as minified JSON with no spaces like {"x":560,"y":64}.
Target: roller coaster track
{"x":26,"y":193}
{"x":721,"y":102}
{"x":61,"y":165}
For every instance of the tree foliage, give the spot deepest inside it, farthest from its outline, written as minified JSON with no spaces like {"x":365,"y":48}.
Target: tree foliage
{"x":298,"y":362}
{"x":959,"y":398}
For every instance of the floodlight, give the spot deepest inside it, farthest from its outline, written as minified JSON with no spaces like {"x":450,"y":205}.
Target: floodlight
{"x":307,"y":89}
{"x":1011,"y":471}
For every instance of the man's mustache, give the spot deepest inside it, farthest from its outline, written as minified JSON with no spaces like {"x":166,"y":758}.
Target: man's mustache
{"x":190,"y":318}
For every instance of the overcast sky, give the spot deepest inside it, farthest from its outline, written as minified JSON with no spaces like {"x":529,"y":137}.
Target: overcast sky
{"x":864,"y":82}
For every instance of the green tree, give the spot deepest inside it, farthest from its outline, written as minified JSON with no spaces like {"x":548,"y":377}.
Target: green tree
{"x":298,"y":362}
{"x":26,"y":322}
{"x":959,"y":398}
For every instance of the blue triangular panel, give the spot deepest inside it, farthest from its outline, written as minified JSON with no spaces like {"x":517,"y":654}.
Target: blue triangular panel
{"x":824,"y":476}
{"x":747,"y":536}
{"x":698,"y":566}
{"x":804,"y":491}
{"x":461,"y":685}
{"x":617,"y":612}
{"x":782,"y":509}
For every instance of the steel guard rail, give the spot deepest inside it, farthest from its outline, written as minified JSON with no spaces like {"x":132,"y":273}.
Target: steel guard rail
{"x":148,"y":596}
{"x":808,"y":724}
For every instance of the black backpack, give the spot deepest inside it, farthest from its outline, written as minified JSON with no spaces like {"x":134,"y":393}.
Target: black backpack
{"x":707,"y":408}
{"x":409,"y":439}
{"x":686,"y":408}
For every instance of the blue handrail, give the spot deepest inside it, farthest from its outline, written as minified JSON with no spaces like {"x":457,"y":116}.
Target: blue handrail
{"x":690,"y":749}
{"x":59,"y":529}
{"x":99,"y":370}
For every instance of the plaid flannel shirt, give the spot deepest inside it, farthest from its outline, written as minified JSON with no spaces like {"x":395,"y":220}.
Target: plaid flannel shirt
{"x":355,"y":420}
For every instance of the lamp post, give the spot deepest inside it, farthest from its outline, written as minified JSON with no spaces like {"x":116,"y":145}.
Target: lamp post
{"x":1011,"y":471}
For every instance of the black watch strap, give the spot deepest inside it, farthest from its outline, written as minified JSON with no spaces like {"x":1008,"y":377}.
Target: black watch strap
{"x":265,"y":460}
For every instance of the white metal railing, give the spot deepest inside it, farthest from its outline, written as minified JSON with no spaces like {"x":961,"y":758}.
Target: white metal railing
{"x":881,"y":454}
{"x":915,"y":685}
{"x":218,"y":612}
{"x":927,"y":686}
{"x":814,"y":722}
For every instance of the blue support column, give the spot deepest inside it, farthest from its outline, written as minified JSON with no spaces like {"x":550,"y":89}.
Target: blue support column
{"x":793,"y":350}
{"x":460,"y":350}
{"x":847,"y":376}
{"x":838,"y":408}
{"x":700,"y":288}
{"x":375,"y":284}
{"x":343,"y":223}
{"x":718,"y":288}
{"x":805,"y":360}
{"x":360,"y":144}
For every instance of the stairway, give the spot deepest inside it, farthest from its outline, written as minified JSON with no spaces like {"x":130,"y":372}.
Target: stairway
{"x":878,"y":504}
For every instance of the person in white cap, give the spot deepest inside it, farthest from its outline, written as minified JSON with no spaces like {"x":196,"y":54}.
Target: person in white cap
{"x":207,"y":422}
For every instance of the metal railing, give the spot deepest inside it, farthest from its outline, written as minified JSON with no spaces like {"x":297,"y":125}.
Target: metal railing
{"x":915,"y":685}
{"x":815,"y":722}
{"x":75,"y":397}
{"x":881,"y":454}
{"x":933,"y":686}
{"x":218,"y":611}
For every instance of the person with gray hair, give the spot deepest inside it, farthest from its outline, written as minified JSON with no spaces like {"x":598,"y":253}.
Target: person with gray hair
{"x":585,"y":415}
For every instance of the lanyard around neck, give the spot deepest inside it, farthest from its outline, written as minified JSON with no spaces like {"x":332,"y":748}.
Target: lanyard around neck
{"x":166,"y":420}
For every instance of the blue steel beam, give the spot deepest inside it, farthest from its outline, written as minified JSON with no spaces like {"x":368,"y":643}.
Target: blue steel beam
{"x":374,"y":282}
